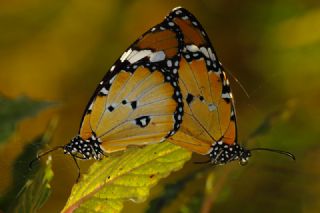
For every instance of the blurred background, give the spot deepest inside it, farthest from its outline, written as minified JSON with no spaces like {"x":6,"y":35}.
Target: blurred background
{"x":58,"y":51}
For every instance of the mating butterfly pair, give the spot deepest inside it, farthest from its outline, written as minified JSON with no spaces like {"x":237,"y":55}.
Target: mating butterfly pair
{"x":168,"y":85}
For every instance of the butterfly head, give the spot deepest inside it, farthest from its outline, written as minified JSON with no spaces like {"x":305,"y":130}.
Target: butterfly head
{"x":84,"y":149}
{"x":222,"y":153}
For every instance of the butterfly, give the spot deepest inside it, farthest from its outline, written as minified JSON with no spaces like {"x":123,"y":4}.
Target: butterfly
{"x":169,"y":85}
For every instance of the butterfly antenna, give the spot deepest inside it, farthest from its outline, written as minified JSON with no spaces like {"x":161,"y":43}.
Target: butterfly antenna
{"x":43,"y":154}
{"x":75,"y":160}
{"x":276,"y":151}
{"x":238,"y":82}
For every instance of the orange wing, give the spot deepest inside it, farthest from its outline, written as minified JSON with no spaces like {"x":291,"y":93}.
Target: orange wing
{"x":209,"y":115}
{"x":138,"y":101}
{"x":168,"y":84}
{"x":138,"y":109}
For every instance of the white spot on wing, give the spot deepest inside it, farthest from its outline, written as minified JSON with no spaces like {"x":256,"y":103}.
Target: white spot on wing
{"x":192,"y":48}
{"x":143,"y":121}
{"x":112,"y":79}
{"x":157,"y":56}
{"x":212,"y":107}
{"x":90,"y":107}
{"x":104,"y":91}
{"x":132,"y":53}
{"x":125,"y":55}
{"x":212,"y":56}
{"x":137,"y":55}
{"x":226,"y":95}
{"x":204,"y":51}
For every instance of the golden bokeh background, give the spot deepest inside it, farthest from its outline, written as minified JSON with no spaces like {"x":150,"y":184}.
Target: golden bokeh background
{"x":59,"y":50}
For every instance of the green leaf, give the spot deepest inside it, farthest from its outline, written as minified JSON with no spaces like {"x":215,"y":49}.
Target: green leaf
{"x":36,"y":191}
{"x":112,"y":181}
{"x":21,"y":173}
{"x":12,"y":111}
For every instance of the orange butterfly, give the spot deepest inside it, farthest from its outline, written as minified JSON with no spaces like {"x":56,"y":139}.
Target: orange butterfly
{"x":168,"y":85}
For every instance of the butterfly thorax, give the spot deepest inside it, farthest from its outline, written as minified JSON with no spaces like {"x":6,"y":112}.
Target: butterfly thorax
{"x":223,"y":153}
{"x":84,"y":149}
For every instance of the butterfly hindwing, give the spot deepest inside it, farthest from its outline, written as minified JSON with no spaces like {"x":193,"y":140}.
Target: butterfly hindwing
{"x":137,"y":109}
{"x":208,"y":103}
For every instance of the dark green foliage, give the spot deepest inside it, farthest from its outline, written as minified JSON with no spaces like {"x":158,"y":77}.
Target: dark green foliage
{"x":171,"y":192}
{"x":23,"y":175}
{"x":36,"y":191}
{"x":12,"y":111}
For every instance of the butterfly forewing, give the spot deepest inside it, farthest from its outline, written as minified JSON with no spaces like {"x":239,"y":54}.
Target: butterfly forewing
{"x":161,"y":41}
{"x":139,"y":100}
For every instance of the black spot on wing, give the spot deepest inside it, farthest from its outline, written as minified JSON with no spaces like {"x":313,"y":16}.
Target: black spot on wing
{"x":189,"y":98}
{"x":134,"y":104}
{"x":143,"y":121}
{"x":110,"y":108}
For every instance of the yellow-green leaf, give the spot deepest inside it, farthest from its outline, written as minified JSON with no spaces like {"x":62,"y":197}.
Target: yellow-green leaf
{"x":114,"y":180}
